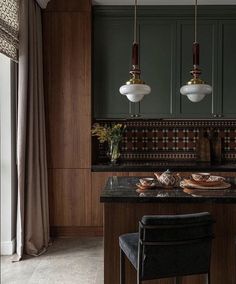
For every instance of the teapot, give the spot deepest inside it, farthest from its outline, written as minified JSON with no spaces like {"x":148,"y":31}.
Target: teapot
{"x":168,"y":178}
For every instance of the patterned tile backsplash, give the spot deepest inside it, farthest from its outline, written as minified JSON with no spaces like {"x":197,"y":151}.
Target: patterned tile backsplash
{"x":149,"y":140}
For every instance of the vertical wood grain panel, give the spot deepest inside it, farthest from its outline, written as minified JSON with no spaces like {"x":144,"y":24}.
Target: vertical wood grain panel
{"x":67,"y":79}
{"x":67,"y":83}
{"x":98,"y":183}
{"x":70,"y":197}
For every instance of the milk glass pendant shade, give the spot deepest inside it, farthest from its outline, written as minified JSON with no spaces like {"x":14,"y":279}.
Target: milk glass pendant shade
{"x":135,"y":89}
{"x":135,"y":92}
{"x":196,"y":92}
{"x":196,"y":89}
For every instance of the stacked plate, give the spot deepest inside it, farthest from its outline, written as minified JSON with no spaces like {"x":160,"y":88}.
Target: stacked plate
{"x":146,"y":184}
{"x":205,"y":181}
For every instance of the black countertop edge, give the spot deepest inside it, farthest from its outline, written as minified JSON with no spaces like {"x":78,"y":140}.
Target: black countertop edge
{"x":150,"y":167}
{"x":219,"y":199}
{"x":124,"y":190}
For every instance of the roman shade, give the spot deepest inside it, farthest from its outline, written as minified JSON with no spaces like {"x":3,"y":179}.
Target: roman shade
{"x":9,"y":28}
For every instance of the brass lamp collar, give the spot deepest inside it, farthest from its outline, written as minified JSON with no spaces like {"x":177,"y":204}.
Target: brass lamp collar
{"x":195,"y":81}
{"x":196,"y":72}
{"x":135,"y":78}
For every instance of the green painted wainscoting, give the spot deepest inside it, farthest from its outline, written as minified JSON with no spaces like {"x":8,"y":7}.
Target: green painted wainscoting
{"x":166,"y":35}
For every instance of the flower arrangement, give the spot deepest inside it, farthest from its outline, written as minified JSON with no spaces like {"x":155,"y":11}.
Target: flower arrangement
{"x":111,"y":134}
{"x":108,"y":133}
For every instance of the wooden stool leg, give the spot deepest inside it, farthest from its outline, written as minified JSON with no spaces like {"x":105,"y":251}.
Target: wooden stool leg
{"x":122,"y":267}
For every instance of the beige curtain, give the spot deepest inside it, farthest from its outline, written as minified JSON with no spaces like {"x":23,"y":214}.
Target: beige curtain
{"x":32,"y":207}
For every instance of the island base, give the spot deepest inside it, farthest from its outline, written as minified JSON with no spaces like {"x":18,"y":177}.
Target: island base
{"x":121,"y":218}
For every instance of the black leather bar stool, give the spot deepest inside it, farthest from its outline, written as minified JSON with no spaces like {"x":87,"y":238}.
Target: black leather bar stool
{"x":169,"y":246}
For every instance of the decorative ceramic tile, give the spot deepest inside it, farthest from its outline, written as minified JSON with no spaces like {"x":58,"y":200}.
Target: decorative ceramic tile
{"x":171,"y":139}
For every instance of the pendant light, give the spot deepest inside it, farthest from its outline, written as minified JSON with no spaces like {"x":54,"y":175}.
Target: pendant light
{"x":196,"y":89}
{"x":135,"y":89}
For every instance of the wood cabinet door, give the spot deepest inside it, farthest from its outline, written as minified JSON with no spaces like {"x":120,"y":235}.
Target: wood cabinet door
{"x":207,"y":31}
{"x":99,"y":180}
{"x":70,"y":197}
{"x":67,"y":81}
{"x":227,"y":69}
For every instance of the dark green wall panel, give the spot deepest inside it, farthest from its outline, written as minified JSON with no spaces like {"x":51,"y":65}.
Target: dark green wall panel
{"x":166,"y":37}
{"x":157,"y":39}
{"x":206,"y":39}
{"x":228,"y":63}
{"x":111,"y":65}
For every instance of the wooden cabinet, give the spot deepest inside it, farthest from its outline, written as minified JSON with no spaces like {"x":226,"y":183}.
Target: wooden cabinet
{"x":70,"y":197}
{"x":166,"y":37}
{"x":99,"y":180}
{"x":67,"y":86}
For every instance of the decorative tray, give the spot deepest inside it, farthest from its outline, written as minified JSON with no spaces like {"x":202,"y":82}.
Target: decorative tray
{"x":203,"y":192}
{"x":186,"y":183}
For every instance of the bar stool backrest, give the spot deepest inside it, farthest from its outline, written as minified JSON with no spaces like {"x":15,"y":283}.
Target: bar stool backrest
{"x":174,"y":245}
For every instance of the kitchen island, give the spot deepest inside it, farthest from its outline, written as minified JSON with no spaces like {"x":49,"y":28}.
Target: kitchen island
{"x":124,"y":207}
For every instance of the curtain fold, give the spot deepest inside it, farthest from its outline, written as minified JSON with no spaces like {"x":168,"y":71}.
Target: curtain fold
{"x":43,"y":3}
{"x":32,"y":206}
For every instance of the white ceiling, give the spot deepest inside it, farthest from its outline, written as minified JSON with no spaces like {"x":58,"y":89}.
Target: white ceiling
{"x":164,"y":2}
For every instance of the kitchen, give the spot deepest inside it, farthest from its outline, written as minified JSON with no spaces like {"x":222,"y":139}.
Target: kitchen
{"x":87,"y":52}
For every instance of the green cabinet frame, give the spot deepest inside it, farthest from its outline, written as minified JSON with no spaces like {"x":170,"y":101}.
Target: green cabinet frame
{"x":166,"y":37}
{"x":226,"y":104}
{"x":207,"y":38}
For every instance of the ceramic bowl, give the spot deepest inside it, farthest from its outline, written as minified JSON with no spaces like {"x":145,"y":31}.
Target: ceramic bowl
{"x":216,"y":178}
{"x":147,"y":181}
{"x":201,"y":176}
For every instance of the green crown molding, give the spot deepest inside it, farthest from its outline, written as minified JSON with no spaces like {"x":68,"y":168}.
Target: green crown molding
{"x":181,"y":11}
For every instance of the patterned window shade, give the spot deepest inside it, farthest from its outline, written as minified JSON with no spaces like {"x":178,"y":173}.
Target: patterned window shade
{"x":9,"y":28}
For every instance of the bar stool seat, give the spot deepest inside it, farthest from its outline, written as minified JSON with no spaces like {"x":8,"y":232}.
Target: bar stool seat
{"x":169,"y":246}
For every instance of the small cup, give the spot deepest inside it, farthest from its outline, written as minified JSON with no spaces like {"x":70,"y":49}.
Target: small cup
{"x":147,"y":181}
{"x":201,"y":176}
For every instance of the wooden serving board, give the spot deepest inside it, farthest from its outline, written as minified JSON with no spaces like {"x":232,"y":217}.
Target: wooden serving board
{"x":223,"y":185}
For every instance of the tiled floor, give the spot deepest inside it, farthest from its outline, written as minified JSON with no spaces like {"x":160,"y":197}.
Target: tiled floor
{"x":67,"y":261}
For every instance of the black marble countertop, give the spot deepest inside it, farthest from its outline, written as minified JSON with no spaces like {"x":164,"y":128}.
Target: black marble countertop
{"x":164,"y":165}
{"x":124,"y":189}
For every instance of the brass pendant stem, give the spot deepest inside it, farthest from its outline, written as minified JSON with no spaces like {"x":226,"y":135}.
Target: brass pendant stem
{"x":196,"y":72}
{"x":135,"y":70}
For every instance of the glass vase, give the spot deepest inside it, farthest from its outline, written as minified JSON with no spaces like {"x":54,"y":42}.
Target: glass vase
{"x":113,"y":150}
